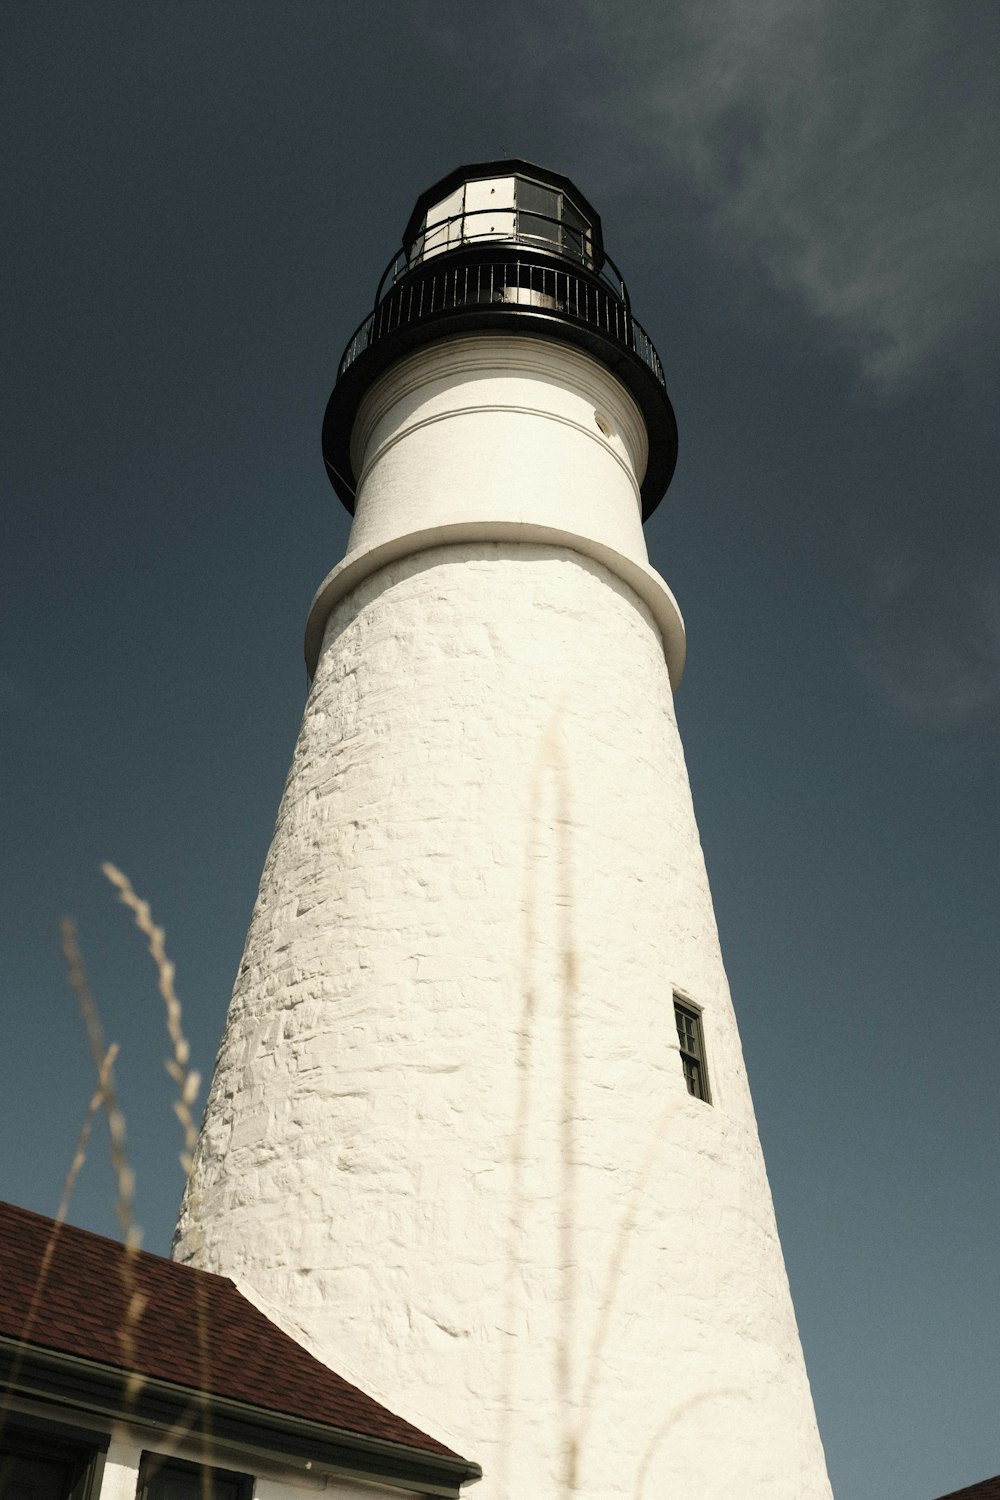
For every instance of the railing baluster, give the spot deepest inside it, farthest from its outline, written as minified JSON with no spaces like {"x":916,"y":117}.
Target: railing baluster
{"x":602,"y":305}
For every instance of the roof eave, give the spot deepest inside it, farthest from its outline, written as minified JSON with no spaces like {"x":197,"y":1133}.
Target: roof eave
{"x":96,"y":1389}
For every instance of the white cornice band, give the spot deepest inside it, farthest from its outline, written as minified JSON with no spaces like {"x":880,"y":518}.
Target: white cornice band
{"x":640,"y":578}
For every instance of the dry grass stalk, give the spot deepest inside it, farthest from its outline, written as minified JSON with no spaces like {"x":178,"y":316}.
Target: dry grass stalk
{"x":551,"y":762}
{"x":135,"y":1302}
{"x":522,"y":1112}
{"x":568,"y":1150}
{"x":125,"y":1177}
{"x":97,"y":1103}
{"x":187,"y":1080}
{"x":615,"y":1269}
{"x":38,"y":1291}
{"x":671,"y":1420}
{"x":188,"y":1083}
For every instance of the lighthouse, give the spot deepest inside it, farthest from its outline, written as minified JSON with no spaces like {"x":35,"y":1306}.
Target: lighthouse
{"x":479,"y":1133}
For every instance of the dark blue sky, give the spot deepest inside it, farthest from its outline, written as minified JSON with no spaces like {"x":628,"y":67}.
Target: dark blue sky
{"x":801,"y":195}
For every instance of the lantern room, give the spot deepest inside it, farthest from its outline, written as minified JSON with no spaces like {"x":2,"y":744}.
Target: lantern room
{"x":523,"y":204}
{"x":503,"y":247}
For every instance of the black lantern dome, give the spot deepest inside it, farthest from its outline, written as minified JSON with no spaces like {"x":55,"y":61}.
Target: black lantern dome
{"x":511,"y":246}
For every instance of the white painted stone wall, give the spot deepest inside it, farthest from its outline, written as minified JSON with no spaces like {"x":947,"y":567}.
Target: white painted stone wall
{"x":448,"y":1143}
{"x":284,"y":1486}
{"x":504,"y":438}
{"x":503,"y":428}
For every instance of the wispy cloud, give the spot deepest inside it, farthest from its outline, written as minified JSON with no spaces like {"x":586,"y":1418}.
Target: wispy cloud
{"x":850,"y":147}
{"x":932,"y":644}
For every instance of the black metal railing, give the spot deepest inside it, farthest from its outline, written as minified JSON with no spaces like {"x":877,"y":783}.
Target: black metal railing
{"x":439,"y":285}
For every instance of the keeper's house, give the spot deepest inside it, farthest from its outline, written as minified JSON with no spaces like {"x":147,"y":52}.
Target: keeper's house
{"x":125,"y":1375}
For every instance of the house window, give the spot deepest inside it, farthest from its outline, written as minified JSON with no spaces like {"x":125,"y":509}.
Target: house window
{"x":691,"y":1041}
{"x":162,"y":1478}
{"x":49,"y":1463}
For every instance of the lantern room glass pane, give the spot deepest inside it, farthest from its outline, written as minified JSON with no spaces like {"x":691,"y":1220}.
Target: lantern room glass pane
{"x":546,"y":216}
{"x":576,"y":232}
{"x":504,"y":208}
{"x":538,"y":213}
{"x":489,"y":209}
{"x":442,"y":227}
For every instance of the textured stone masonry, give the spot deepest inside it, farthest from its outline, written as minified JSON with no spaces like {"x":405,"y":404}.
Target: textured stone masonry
{"x":448,"y":1142}
{"x":489,"y":781}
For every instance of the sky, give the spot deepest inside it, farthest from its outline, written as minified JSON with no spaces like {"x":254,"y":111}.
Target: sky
{"x":801,"y":195}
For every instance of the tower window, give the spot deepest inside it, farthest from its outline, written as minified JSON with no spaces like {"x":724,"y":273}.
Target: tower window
{"x":691,"y":1041}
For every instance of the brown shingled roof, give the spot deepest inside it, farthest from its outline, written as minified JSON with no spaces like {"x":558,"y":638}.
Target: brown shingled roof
{"x":79,"y":1309}
{"x":986,"y":1489}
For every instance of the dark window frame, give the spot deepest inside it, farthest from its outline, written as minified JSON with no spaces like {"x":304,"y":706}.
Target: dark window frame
{"x":224,"y":1484}
{"x":691,"y":1046}
{"x":82,"y":1450}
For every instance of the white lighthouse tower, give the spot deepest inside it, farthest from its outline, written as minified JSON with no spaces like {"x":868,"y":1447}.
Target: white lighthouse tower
{"x":479,"y":1132}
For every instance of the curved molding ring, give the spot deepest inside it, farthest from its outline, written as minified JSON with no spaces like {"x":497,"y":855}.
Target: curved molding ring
{"x":641,"y":579}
